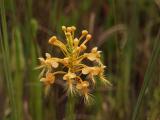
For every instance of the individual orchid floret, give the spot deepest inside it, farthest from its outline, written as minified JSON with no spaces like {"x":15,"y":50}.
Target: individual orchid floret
{"x":83,"y":88}
{"x":69,"y":77}
{"x":94,"y":55}
{"x":48,"y":79}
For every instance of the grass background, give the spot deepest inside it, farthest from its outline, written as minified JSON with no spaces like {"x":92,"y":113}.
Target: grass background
{"x":127,"y":31}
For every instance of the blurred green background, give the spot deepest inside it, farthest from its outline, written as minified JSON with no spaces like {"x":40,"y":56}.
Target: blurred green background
{"x":127,"y":31}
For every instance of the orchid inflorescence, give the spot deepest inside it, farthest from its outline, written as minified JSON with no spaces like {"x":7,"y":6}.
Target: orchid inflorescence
{"x":73,"y":64}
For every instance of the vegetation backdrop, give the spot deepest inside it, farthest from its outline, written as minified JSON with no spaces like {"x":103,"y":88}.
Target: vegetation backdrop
{"x":127,"y":33}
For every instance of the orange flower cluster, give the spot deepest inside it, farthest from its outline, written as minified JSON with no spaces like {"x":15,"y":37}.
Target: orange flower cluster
{"x":73,"y":62}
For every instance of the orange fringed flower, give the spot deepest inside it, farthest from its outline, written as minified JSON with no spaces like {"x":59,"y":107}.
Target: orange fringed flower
{"x":74,"y":54}
{"x":83,"y":88}
{"x":48,"y":79}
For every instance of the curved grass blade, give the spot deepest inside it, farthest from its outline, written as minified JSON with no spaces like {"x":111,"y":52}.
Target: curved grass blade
{"x":6,"y":57}
{"x":148,"y":75}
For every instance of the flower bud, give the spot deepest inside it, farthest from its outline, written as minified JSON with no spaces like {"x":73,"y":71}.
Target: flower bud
{"x":88,"y":37}
{"x":64,"y":28}
{"x":83,"y":47}
{"x":52,"y":40}
{"x":69,"y":29}
{"x":76,"y":41}
{"x":68,"y":34}
{"x":84,"y":32}
{"x":73,"y":28}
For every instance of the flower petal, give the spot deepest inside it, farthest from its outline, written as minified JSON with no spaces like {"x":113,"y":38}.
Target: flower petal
{"x":91,"y":57}
{"x":48,"y":55}
{"x":85,"y":70}
{"x":43,"y":79}
{"x":85,"y":83}
{"x":79,"y":86}
{"x":94,"y":49}
{"x":41,"y":59}
{"x":65,"y":77}
{"x":69,"y":75}
{"x":55,"y":64}
{"x":96,"y":70}
{"x":72,"y":75}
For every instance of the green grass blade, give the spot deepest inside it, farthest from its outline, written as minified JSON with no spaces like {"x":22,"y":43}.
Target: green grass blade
{"x":6,"y":60}
{"x":18,"y":70}
{"x":148,"y":75}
